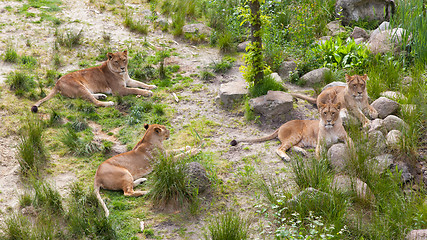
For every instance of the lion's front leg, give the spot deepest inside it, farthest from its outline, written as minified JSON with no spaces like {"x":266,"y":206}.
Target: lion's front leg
{"x":133,"y":83}
{"x":133,"y":91}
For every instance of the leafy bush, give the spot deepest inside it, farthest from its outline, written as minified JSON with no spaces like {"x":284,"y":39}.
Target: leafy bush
{"x":338,"y":54}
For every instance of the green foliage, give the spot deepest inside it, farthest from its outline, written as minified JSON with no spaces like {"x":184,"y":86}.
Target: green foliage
{"x":223,"y":66}
{"x":11,"y":55}
{"x":21,"y":82}
{"x":69,"y":38}
{"x":346,"y":55}
{"x":134,"y":25}
{"x":311,"y":173}
{"x":264,"y":86}
{"x":206,"y":75}
{"x":80,"y":144}
{"x":229,"y":226}
{"x":31,"y":148}
{"x":28,"y":61}
{"x":46,"y":198}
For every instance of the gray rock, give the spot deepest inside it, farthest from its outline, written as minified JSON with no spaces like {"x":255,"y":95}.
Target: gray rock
{"x":381,"y":163}
{"x":346,"y":184}
{"x":354,"y":10}
{"x":197,"y":28}
{"x":378,"y":125}
{"x":273,"y":104}
{"x":334,"y":84}
{"x":197,"y":176}
{"x":377,"y":141}
{"x":338,"y":156}
{"x":232,"y":92}
{"x":276,"y":78}
{"x":241,"y":47}
{"x":403,"y":168}
{"x":335,"y":27}
{"x":420,"y":234}
{"x":392,"y":122}
{"x":315,"y":76}
{"x":385,"y":106}
{"x":359,"y":33}
{"x":359,"y":40}
{"x":393,"y":139}
{"x":383,"y":26}
{"x":286,"y":68}
{"x":386,"y":41}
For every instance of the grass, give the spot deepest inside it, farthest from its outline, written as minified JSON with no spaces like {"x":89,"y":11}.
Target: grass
{"x":10,"y":55}
{"x":264,"y":86}
{"x":228,"y":226}
{"x":69,"y":38}
{"x":134,"y":25}
{"x":21,"y":83}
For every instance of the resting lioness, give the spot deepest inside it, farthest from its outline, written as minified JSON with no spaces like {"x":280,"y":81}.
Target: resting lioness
{"x":308,"y":133}
{"x":352,"y":97}
{"x":110,"y":77}
{"x":125,"y":171}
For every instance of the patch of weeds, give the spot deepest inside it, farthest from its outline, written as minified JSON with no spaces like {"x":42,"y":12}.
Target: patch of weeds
{"x":21,"y":82}
{"x":69,"y":38}
{"x":31,"y":149}
{"x":206,"y":75}
{"x":249,"y":113}
{"x":136,"y":26}
{"x":56,"y":61}
{"x":80,"y":144}
{"x":10,"y":55}
{"x":46,"y":198}
{"x":228,"y":226}
{"x":223,"y":66}
{"x":54,"y":119}
{"x":51,"y":77}
{"x":264,"y":86}
{"x":311,"y":172}
{"x":226,"y":43}
{"x":28,"y":62}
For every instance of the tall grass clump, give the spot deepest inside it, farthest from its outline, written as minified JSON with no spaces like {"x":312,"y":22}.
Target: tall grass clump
{"x":228,"y":226}
{"x":384,"y":73}
{"x":80,"y":144}
{"x":69,"y":38}
{"x":134,"y":25}
{"x":411,"y":16}
{"x":170,"y":183}
{"x":21,"y":82}
{"x":31,"y":149}
{"x":46,"y":198}
{"x":264,"y":86}
{"x":10,"y":55}
{"x":311,"y":172}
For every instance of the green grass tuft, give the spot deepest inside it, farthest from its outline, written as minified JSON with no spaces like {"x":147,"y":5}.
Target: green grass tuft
{"x":229,"y":226}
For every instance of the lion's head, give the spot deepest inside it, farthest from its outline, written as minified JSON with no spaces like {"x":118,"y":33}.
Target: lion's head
{"x":118,"y":61}
{"x":329,"y":114}
{"x":356,"y":85}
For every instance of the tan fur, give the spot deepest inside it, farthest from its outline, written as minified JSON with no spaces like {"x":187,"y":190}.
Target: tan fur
{"x":352,"y":97}
{"x":110,"y":77}
{"x":307,"y":133}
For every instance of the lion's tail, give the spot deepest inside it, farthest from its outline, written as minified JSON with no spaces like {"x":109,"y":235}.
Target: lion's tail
{"x":266,"y":138}
{"x":96,"y":188}
{"x":35,"y":107}
{"x":307,"y":98}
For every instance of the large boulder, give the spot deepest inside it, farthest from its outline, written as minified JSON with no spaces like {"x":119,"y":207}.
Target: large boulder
{"x":241,"y":47}
{"x":286,"y":68}
{"x":385,"y":106}
{"x":392,"y":122}
{"x":335,"y":28}
{"x":310,"y":197}
{"x":420,"y":234}
{"x":386,"y":41}
{"x":315,"y":76}
{"x":378,"y":125}
{"x":354,"y":10}
{"x":393,"y":139}
{"x":334,"y":84}
{"x":359,"y":33}
{"x":381,"y":163}
{"x":273,"y":104}
{"x":338,"y":156}
{"x":197,"y":28}
{"x":232,"y":92}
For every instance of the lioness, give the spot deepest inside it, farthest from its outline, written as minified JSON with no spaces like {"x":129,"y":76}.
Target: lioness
{"x":308,"y":133}
{"x":352,"y":97}
{"x":126,"y":170}
{"x":110,"y":77}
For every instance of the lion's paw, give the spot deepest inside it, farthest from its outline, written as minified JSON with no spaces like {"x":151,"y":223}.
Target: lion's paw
{"x":151,"y":87}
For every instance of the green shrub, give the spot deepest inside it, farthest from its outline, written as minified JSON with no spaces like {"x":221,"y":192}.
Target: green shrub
{"x":228,"y":226}
{"x":10,"y":55}
{"x":134,"y":25}
{"x":223,"y":66}
{"x":28,"y":61}
{"x":21,"y":82}
{"x":80,"y":146}
{"x":311,"y":172}
{"x":264,"y":86}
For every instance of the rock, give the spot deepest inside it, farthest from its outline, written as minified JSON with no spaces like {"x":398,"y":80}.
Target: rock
{"x":359,"y":40}
{"x":377,"y":141}
{"x":338,"y":156}
{"x":197,"y":28}
{"x":310,"y":197}
{"x":286,"y":68}
{"x":396,"y":96}
{"x":393,"y":138}
{"x":354,"y":10}
{"x":378,"y":125}
{"x":417,"y":235}
{"x":359,"y":33}
{"x":381,"y":163}
{"x":315,"y":76}
{"x":276,"y":78}
{"x":403,"y":168}
{"x":386,"y":41}
{"x":334,"y":84}
{"x":197,"y":176}
{"x":383,"y":26}
{"x":346,"y":184}
{"x":392,"y":122}
{"x":232,"y":92}
{"x":241,"y":47}
{"x":385,"y":106}
{"x":273,"y":104}
{"x":335,"y":28}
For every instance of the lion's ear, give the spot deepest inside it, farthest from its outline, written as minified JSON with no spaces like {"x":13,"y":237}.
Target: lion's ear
{"x":146,"y":126}
{"x":365,"y":77}
{"x":110,"y":55}
{"x":321,"y":105}
{"x":125,"y":52}
{"x":347,"y":78}
{"x":338,"y":105}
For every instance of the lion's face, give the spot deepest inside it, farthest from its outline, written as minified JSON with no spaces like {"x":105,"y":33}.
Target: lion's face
{"x":118,"y":61}
{"x":329,"y":114}
{"x":158,"y":131}
{"x":356,"y":85}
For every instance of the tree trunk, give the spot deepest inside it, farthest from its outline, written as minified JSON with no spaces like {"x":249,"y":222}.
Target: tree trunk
{"x":256,"y":40}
